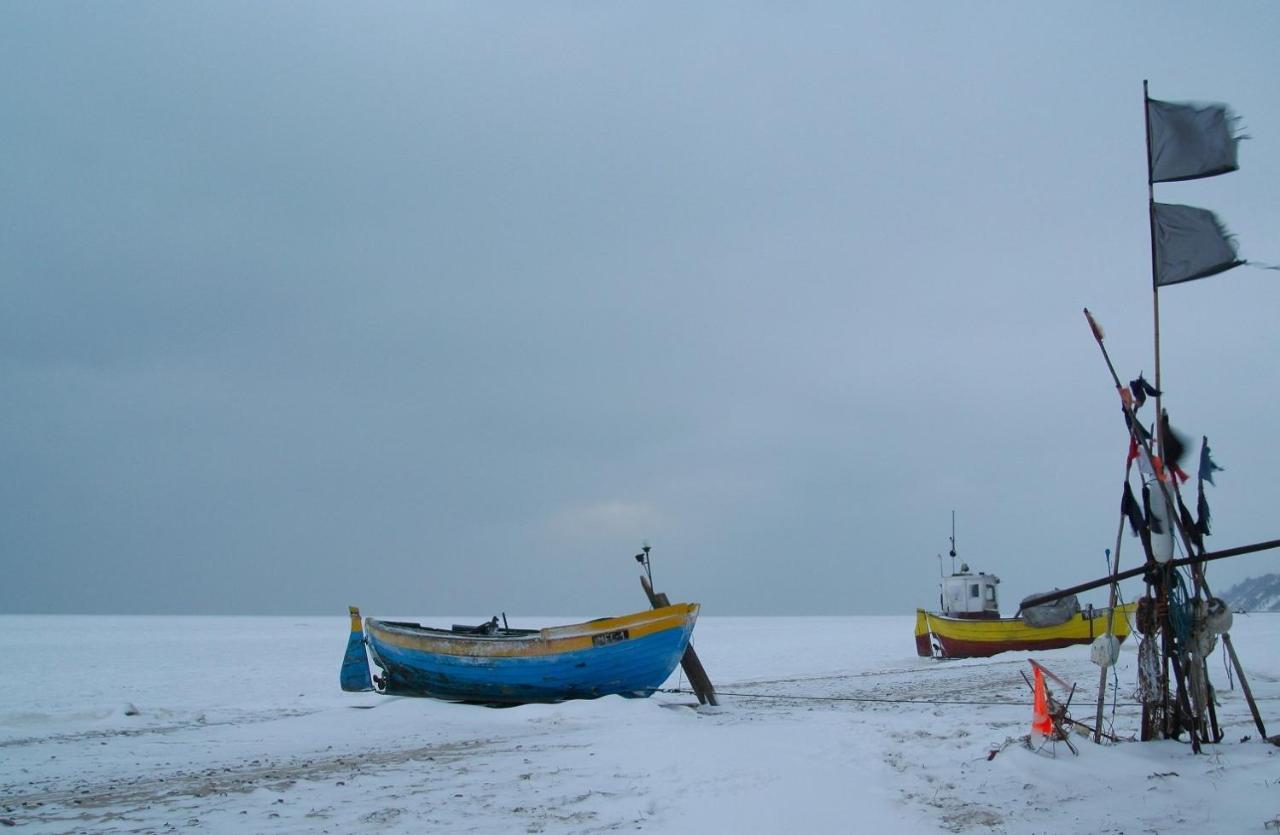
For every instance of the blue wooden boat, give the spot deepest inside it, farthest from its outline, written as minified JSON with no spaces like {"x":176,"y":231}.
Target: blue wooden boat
{"x":630,"y":655}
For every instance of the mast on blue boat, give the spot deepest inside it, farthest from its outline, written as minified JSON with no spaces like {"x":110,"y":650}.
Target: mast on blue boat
{"x":643,"y":559}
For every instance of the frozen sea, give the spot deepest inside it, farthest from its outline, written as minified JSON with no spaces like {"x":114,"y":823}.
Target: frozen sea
{"x":827,"y":724}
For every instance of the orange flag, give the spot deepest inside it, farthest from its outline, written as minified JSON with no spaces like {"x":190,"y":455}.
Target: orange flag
{"x":1040,"y":722}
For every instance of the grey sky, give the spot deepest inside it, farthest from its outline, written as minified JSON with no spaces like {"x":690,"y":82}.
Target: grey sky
{"x":444,"y":308}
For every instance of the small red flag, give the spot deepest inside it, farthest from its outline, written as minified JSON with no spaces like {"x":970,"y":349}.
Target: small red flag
{"x":1040,"y":721}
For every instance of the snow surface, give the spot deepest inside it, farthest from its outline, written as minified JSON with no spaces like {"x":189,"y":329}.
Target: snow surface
{"x":162,"y":724}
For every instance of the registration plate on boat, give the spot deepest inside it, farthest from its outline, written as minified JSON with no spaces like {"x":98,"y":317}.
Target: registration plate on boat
{"x":606,"y":638}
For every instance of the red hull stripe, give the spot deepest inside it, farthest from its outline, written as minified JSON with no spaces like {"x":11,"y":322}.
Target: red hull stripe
{"x":952,"y":648}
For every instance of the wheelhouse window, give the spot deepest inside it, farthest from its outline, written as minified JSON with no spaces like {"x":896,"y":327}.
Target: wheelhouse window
{"x":973,"y":590}
{"x":991,"y":594}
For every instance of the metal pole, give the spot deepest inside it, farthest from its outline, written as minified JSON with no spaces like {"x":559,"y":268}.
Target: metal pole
{"x":1111,"y":619}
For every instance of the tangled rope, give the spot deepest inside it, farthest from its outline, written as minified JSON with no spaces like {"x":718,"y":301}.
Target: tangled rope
{"x":1181,"y":611}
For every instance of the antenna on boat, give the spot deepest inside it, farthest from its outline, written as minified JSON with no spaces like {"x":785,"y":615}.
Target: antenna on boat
{"x":643,"y":559}
{"x":942,"y":578}
{"x":953,"y":542}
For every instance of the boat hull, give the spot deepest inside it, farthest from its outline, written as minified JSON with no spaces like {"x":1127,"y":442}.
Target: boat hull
{"x":630,"y":655}
{"x":941,"y":636}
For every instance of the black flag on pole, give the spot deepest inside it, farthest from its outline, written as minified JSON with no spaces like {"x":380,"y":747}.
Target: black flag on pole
{"x":1189,"y":524}
{"x":1141,"y":391}
{"x":1202,"y":513}
{"x":1131,"y":510}
{"x":1175,"y":448}
{"x":1207,"y":465}
{"x":1189,"y":141}
{"x":1191,"y":243}
{"x":1207,"y":468}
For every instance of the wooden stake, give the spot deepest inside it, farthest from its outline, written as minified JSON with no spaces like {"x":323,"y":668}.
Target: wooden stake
{"x":1187,"y":717}
{"x":698,"y":679}
{"x":1213,"y":712}
{"x":1244,"y":685}
{"x":1111,"y":618}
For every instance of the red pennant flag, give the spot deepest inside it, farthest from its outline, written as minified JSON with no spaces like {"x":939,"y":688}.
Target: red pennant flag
{"x":1040,"y":721}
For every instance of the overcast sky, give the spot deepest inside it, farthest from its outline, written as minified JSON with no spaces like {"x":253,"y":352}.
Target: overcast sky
{"x":446,"y":308}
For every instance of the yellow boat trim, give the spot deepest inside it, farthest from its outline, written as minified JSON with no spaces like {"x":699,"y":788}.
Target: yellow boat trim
{"x":1003,"y":630}
{"x":550,"y":641}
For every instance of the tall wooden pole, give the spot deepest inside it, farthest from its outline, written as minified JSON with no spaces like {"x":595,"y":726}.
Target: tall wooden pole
{"x":1160,"y":590}
{"x":1115,"y":565}
{"x":1155,"y":269}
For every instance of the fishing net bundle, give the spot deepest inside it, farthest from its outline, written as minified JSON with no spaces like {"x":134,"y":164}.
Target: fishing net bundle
{"x":1149,"y":690}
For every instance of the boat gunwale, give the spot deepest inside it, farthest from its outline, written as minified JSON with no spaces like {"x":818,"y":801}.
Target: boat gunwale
{"x":1084,"y":616}
{"x":538,"y":643}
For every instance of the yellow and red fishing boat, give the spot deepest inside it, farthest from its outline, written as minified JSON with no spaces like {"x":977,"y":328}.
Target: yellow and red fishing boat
{"x":968,"y":623}
{"x":941,"y":635}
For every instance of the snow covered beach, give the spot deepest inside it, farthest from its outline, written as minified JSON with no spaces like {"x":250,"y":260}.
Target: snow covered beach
{"x":828,"y":724}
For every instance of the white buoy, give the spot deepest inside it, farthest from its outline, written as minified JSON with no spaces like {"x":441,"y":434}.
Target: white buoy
{"x":1105,"y":650}
{"x":1162,"y":518}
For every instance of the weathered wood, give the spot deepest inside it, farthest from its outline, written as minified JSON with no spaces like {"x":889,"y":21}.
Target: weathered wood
{"x":689,"y":662}
{"x":1158,"y":580}
{"x":1187,"y":718}
{"x":1244,"y":685}
{"x":1166,"y":649}
{"x":1218,"y":733}
{"x":1208,"y":556}
{"x":655,"y":600}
